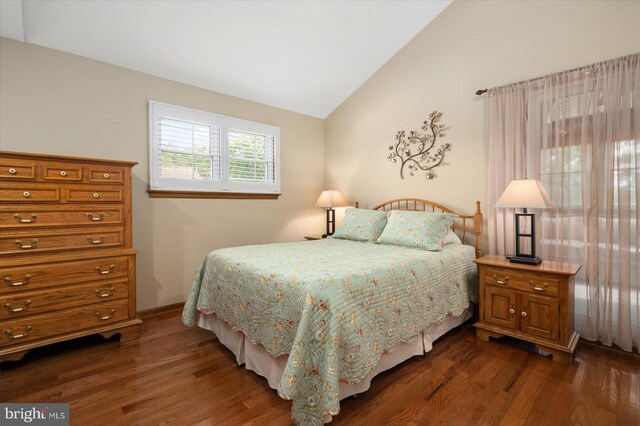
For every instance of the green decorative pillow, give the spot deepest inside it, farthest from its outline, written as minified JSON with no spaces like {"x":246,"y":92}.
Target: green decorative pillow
{"x":361,"y":225}
{"x":423,"y":230}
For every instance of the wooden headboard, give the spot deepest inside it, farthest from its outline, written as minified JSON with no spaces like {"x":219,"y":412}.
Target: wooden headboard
{"x":470,"y":233}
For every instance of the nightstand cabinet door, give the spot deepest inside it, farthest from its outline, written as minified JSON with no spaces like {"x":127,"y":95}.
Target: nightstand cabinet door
{"x":500,"y":307}
{"x":539,"y":315}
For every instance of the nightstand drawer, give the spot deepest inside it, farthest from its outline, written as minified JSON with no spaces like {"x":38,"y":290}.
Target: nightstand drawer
{"x":523,"y":281}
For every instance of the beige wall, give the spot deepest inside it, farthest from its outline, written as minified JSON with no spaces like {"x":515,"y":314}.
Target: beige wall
{"x":470,"y":46}
{"x":57,"y":103}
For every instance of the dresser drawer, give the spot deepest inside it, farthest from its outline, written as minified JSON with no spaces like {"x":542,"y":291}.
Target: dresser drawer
{"x":93,"y":195}
{"x":62,"y":172}
{"x":45,"y":275}
{"x":28,"y":194}
{"x":29,"y":303}
{"x":106,"y":174}
{"x":13,"y":169}
{"x":21,"y":216}
{"x":523,"y":281}
{"x":34,"y":327}
{"x":37,"y":241}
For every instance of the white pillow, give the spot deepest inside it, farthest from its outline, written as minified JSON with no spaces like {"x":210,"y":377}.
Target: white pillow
{"x":451,"y":238}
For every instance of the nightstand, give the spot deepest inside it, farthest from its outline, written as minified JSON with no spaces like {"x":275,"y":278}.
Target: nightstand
{"x":313,"y":237}
{"x":532,"y":303}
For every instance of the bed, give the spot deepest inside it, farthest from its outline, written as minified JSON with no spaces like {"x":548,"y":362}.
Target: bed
{"x":320,"y":319}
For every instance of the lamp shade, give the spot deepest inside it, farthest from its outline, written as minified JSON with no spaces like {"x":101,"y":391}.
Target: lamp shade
{"x":331,"y":198}
{"x":525,"y":193}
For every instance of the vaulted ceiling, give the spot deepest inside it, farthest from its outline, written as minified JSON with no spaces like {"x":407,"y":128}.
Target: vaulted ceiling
{"x":306,"y":57}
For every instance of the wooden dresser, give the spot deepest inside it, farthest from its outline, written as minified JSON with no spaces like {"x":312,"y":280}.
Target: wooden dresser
{"x":67,"y":266}
{"x":532,"y":303}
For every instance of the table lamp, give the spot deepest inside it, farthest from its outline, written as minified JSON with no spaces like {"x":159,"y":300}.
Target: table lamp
{"x":330,"y":199}
{"x":525,"y":193}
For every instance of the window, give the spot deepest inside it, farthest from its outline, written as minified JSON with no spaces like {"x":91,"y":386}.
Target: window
{"x":196,"y":151}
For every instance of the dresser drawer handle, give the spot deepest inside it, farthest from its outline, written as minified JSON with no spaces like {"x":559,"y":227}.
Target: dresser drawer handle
{"x":106,"y":317}
{"x":92,"y":241}
{"x":12,"y":171}
{"x":106,"y":175}
{"x":63,"y":173}
{"x":536,"y":288}
{"x":512,"y":311}
{"x":19,"y":218}
{"x":95,"y":219}
{"x":99,"y":292}
{"x":112,"y":268}
{"x":16,"y":310}
{"x":34,"y":243}
{"x":96,"y":195}
{"x":495,"y":278}
{"x":10,"y":283}
{"x":10,"y":334}
{"x":26,"y":194}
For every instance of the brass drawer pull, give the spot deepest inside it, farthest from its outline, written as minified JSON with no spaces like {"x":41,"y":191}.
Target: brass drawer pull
{"x":26,"y":194}
{"x":16,"y":310}
{"x":106,"y":317}
{"x":10,"y":334}
{"x":106,"y":175}
{"x":495,"y":278}
{"x":112,"y":268}
{"x":63,"y":173}
{"x":19,"y":218}
{"x":12,"y":171}
{"x":535,"y":288}
{"x":34,"y":242}
{"x":92,"y":241}
{"x":95,"y":219}
{"x":10,"y":283}
{"x":96,"y":195}
{"x":99,"y":293}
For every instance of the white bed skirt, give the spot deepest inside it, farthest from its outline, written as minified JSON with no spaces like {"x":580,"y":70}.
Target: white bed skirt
{"x":256,"y":358}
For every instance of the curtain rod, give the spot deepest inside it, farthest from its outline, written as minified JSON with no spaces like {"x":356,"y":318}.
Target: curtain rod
{"x":584,"y":67}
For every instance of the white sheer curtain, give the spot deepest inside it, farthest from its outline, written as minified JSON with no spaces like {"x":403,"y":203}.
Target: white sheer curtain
{"x":579,"y":133}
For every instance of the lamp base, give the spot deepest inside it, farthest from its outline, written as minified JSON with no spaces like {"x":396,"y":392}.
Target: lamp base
{"x":527,"y":260}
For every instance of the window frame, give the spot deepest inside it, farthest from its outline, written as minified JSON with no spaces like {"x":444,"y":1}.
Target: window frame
{"x":193,"y":188}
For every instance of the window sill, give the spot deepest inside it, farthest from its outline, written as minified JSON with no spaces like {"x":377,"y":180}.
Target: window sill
{"x":158,"y":193}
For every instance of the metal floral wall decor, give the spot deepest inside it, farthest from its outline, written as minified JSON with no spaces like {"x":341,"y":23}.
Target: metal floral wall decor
{"x":418,"y":151}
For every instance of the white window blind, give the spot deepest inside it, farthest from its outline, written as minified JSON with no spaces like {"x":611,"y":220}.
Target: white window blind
{"x":189,"y":150}
{"x":251,"y":157}
{"x":200,"y":151}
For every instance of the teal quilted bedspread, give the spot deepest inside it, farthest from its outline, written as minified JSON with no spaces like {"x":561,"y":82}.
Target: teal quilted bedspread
{"x":334,"y":306}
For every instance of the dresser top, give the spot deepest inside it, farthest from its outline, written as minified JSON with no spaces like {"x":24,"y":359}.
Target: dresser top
{"x":546,"y":266}
{"x":49,"y":157}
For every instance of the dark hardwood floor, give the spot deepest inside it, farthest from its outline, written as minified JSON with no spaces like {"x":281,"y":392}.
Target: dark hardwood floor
{"x":179,"y":375}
